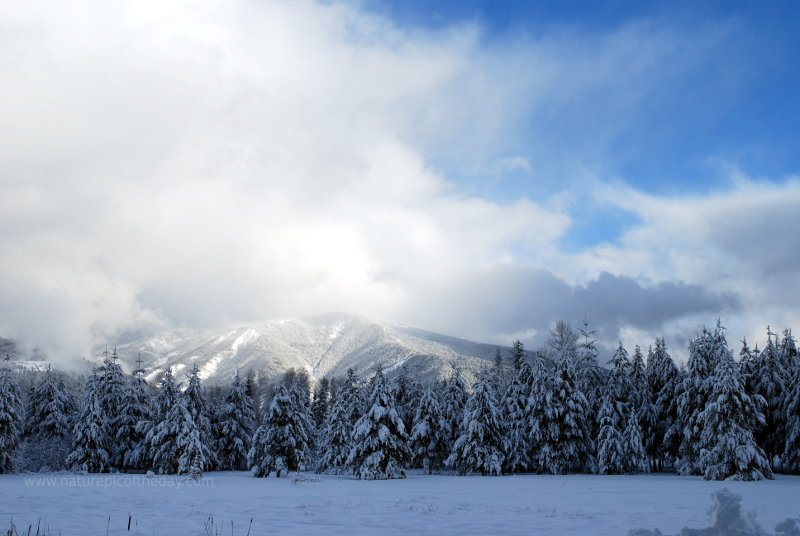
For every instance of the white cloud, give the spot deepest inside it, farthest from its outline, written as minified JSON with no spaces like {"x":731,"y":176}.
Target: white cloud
{"x":214,"y":162}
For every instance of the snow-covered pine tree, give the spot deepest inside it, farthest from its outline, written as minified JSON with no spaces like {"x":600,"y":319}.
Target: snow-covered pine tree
{"x":695,"y":392}
{"x":791,"y":451}
{"x":10,"y":420}
{"x":428,"y":442}
{"x":611,"y":450}
{"x":407,"y":392}
{"x":194,"y":455}
{"x":747,"y":358}
{"x":165,"y":399}
{"x":453,"y":400}
{"x":47,"y":437}
{"x":135,"y":409}
{"x":282,"y":444}
{"x":380,"y":441}
{"x":91,"y":432}
{"x":517,"y":420}
{"x":321,"y":404}
{"x":589,"y":376}
{"x":728,"y":449}
{"x":481,"y":443}
{"x":635,"y":456}
{"x":662,"y":377}
{"x":176,"y":441}
{"x":619,"y":378}
{"x":769,"y":381}
{"x":201,"y":411}
{"x":235,"y":427}
{"x":517,"y":355}
{"x":535,"y":408}
{"x":111,"y":393}
{"x":333,"y":443}
{"x":566,"y":444}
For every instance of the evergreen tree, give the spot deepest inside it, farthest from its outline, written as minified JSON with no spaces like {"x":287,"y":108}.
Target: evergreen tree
{"x":454,"y":398}
{"x":516,"y":419}
{"x":235,"y":426}
{"x":10,"y":420}
{"x":47,"y":438}
{"x":535,"y":410}
{"x":380,"y":442}
{"x":693,"y":398}
{"x":282,"y":443}
{"x":334,"y":438}
{"x":769,"y":381}
{"x":176,"y":442}
{"x":321,"y":403}
{"x":611,"y":451}
{"x":791,"y":451}
{"x":590,"y":377}
{"x":566,"y":445}
{"x":635,"y":456}
{"x":112,"y":387}
{"x":517,"y":355}
{"x":728,"y":450}
{"x":662,"y":377}
{"x":200,"y":410}
{"x":90,"y":434}
{"x":428,"y":442}
{"x":135,"y":409}
{"x":166,"y":398}
{"x":407,"y":392}
{"x":481,"y":443}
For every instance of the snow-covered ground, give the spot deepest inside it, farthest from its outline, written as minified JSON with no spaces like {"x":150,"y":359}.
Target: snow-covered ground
{"x":421,"y":504}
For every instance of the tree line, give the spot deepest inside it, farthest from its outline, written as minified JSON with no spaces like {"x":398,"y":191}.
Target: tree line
{"x":555,"y":411}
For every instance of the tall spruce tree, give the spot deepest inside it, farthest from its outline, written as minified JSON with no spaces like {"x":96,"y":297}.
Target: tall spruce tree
{"x":201,"y":411}
{"x":516,"y":418}
{"x":695,"y":393}
{"x":49,"y":421}
{"x":454,"y":398}
{"x":235,"y":426}
{"x":380,"y":441}
{"x":611,"y":451}
{"x":662,"y":377}
{"x":566,"y":444}
{"x":166,"y":398}
{"x":321,"y":404}
{"x":428,"y":441}
{"x":481,"y":444}
{"x":728,"y":449}
{"x":91,"y":432}
{"x":176,"y":443}
{"x":10,"y":420}
{"x":791,"y":450}
{"x":128,"y":435}
{"x":334,"y":438}
{"x":769,"y":381}
{"x":535,"y":409}
{"x":282,"y":443}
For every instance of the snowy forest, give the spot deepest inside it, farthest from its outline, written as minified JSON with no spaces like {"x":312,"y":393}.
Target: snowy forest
{"x":555,"y":411}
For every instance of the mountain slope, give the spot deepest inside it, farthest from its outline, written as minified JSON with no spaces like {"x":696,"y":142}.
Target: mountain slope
{"x":325,"y":345}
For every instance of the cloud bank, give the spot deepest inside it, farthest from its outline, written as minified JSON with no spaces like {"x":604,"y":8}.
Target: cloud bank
{"x":230,"y":162}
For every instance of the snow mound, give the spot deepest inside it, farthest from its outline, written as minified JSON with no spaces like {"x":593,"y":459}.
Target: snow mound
{"x":727,"y":520}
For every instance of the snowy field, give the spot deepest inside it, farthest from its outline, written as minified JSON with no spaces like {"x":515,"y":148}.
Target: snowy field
{"x":421,"y":504}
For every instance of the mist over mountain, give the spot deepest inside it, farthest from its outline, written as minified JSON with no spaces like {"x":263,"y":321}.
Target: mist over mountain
{"x":325,"y":345}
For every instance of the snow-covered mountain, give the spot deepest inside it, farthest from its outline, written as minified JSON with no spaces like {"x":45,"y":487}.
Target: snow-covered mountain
{"x":325,"y":345}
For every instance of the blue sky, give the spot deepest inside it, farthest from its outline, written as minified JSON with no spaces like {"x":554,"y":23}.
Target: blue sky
{"x":481,"y":169}
{"x":736,"y":106}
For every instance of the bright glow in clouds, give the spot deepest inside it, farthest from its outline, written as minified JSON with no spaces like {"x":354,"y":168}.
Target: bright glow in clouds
{"x":204,"y":164}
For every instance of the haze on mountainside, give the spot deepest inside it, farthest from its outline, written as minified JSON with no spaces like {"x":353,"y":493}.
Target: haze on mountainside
{"x":195,"y":167}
